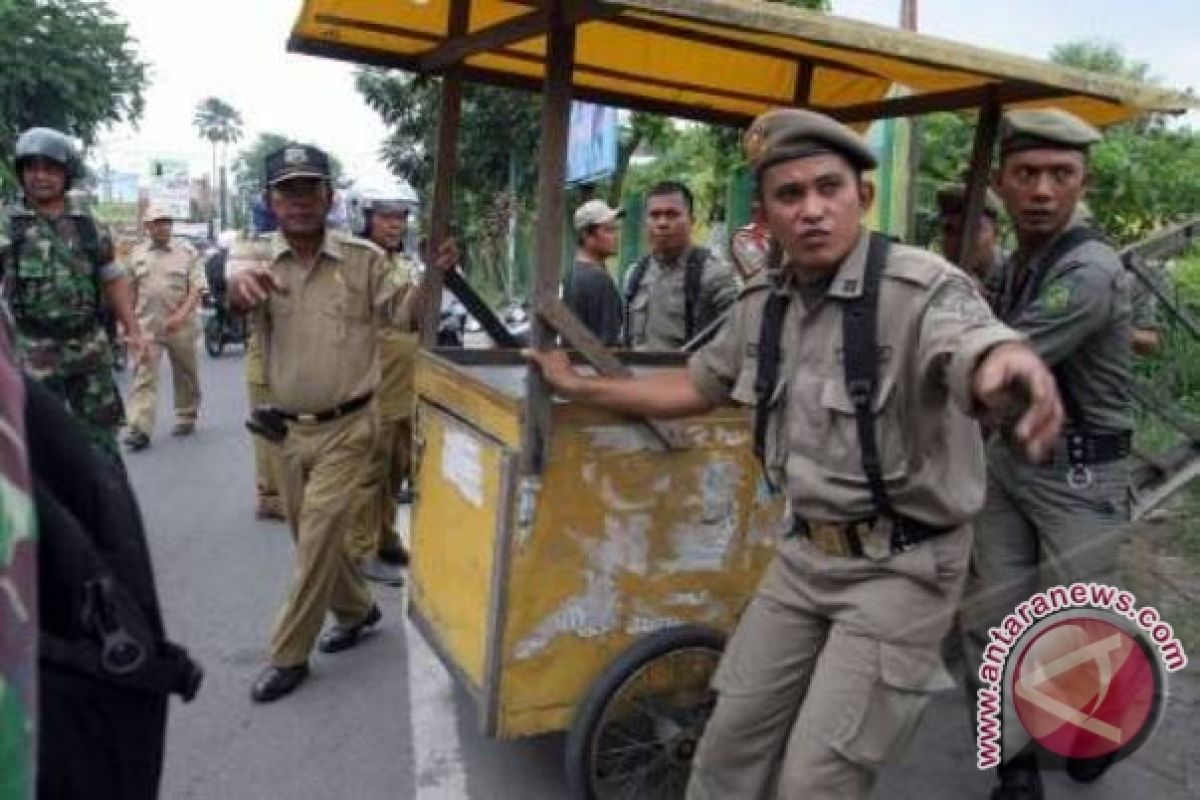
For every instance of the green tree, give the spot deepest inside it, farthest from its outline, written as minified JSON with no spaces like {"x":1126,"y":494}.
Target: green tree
{"x":220,"y":124}
{"x":68,"y":64}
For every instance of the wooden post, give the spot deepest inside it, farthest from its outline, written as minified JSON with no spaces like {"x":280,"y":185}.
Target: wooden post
{"x":445,"y":165}
{"x":552,"y":166}
{"x":986,"y":129}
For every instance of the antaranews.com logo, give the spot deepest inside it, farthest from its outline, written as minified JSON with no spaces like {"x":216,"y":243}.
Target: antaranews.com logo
{"x":1080,"y":670}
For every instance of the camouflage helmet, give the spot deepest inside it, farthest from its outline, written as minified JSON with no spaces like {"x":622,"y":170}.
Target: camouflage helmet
{"x":47,"y":143}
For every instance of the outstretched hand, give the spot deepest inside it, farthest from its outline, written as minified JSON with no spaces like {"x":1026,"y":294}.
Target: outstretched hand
{"x":1012,"y":371}
{"x":556,"y":368}
{"x":250,"y":286}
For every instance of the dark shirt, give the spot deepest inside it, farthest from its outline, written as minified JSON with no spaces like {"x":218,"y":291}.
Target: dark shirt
{"x":592,"y":294}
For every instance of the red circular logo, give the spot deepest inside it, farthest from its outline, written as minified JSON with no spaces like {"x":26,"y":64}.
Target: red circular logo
{"x":1084,"y":688}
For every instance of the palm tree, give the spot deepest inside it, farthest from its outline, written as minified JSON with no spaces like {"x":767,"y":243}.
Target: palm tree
{"x":219,"y":123}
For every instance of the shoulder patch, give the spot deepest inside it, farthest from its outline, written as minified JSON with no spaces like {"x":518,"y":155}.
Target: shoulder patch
{"x":1056,"y":298}
{"x":913,"y":265}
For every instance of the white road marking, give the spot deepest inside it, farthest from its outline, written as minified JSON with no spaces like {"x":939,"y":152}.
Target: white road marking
{"x":433,"y":721}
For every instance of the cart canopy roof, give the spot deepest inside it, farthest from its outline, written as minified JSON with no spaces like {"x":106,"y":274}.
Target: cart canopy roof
{"x":713,"y":60}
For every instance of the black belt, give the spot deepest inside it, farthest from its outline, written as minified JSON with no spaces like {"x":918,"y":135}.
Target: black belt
{"x":1084,"y":448}
{"x":342,"y":410}
{"x":845,"y":538}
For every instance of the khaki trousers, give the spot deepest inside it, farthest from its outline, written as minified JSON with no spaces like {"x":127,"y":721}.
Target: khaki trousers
{"x":829,"y":671}
{"x":320,"y":461}
{"x":143,"y":397}
{"x":375,"y":519}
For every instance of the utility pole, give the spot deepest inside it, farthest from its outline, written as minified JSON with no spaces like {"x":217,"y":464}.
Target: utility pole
{"x":908,"y":22}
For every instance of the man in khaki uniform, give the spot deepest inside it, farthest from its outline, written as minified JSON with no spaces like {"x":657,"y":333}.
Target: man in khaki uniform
{"x":166,"y":279}
{"x":377,"y":543}
{"x":834,"y":658}
{"x":678,"y":289}
{"x":320,"y":302}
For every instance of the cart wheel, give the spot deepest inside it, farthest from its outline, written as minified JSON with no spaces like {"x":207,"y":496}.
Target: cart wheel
{"x":214,"y":341}
{"x":636,"y":731}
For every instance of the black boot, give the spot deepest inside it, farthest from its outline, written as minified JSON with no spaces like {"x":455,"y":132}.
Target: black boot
{"x":1018,"y":780}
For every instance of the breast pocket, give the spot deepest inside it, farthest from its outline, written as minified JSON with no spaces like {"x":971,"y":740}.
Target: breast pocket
{"x":839,"y":440}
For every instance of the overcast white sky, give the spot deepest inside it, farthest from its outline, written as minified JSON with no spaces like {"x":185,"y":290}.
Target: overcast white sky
{"x":234,"y":49}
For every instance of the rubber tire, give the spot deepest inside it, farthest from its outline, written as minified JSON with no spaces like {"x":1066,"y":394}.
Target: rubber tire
{"x":214,"y":339}
{"x":591,"y":710}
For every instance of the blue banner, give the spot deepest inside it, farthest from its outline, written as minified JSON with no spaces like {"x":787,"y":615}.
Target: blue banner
{"x":592,"y":145}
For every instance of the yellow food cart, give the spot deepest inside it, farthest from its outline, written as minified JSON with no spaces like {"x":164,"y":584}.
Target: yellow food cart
{"x":576,"y":570}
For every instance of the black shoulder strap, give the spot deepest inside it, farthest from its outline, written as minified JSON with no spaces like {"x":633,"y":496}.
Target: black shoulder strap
{"x":693,"y":274}
{"x":1063,"y":245}
{"x":860,"y":343}
{"x":769,"y":338}
{"x":632,"y":284}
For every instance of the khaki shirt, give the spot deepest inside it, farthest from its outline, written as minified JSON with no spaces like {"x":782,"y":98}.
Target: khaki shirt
{"x":398,"y":358}
{"x":162,"y":278}
{"x":1080,"y":323}
{"x":656,"y":318}
{"x":321,"y":333}
{"x":933,"y":329}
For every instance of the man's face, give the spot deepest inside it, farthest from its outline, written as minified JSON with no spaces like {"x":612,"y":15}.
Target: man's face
{"x":43,"y":179}
{"x":160,"y":231}
{"x":388,"y":227}
{"x":1040,"y":189}
{"x":301,"y":205}
{"x":668,"y":224}
{"x":985,"y":242}
{"x":814,"y":208}
{"x":601,"y":241}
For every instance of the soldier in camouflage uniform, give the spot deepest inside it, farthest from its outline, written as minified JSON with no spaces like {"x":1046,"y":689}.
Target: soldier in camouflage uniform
{"x":58,"y":270}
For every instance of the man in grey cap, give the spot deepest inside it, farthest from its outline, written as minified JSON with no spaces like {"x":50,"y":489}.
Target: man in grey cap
{"x":1067,"y":292}
{"x":983,"y":261}
{"x":678,"y":289}
{"x":865,"y":361}
{"x":589,"y":290}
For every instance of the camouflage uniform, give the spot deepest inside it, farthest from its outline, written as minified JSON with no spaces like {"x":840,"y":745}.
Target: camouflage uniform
{"x":53,"y":281}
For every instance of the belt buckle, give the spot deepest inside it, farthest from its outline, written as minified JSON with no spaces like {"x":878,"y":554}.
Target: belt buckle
{"x":307,"y":419}
{"x":829,"y":539}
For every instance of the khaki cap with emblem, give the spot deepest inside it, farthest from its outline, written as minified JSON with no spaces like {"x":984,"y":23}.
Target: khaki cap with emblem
{"x":791,"y":133}
{"x":952,"y":199}
{"x":1040,"y":128}
{"x":296,"y":161}
{"x":595,"y":212}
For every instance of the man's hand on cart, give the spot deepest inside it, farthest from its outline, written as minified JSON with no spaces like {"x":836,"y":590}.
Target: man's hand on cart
{"x":666,"y":394}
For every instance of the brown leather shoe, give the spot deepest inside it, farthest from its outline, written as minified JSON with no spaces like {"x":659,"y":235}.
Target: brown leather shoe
{"x":343,"y":637}
{"x":184,"y":428}
{"x":276,"y":682}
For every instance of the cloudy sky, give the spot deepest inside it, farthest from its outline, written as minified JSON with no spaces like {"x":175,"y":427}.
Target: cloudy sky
{"x":234,"y":49}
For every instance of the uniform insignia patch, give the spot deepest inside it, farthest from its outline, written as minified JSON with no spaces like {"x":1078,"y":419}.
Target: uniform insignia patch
{"x":1056,"y":298}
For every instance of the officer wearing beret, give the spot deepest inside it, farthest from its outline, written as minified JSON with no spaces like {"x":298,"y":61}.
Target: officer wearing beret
{"x":983,"y":261}
{"x":320,"y":301}
{"x":1067,"y":292}
{"x":880,"y":354}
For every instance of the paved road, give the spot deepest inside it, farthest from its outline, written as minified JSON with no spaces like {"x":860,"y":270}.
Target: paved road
{"x":384,"y":720}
